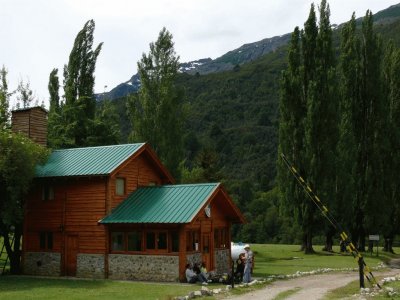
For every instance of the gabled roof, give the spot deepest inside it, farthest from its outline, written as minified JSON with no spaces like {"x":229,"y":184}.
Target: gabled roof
{"x":162,"y":204}
{"x":95,"y":161}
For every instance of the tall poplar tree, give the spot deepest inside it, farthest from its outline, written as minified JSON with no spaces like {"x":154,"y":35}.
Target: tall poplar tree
{"x":321,"y":123}
{"x":391,"y":81}
{"x":370,"y":131}
{"x":347,"y":148}
{"x":292,"y":110}
{"x":309,"y":48}
{"x":4,"y":100}
{"x":309,"y":121}
{"x":55,"y":124}
{"x":157,"y":113}
{"x":80,"y":103}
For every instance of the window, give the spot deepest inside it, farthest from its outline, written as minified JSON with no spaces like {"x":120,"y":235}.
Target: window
{"x":150,"y":240}
{"x":47,"y":193}
{"x":132,"y":241}
{"x":135,"y":241}
{"x":120,"y":186}
{"x":46,"y":240}
{"x":221,"y":238}
{"x":192,"y":241}
{"x":174,"y":241}
{"x":117,"y":241}
{"x":162,"y":240}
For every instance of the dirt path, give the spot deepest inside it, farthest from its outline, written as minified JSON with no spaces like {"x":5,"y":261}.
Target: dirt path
{"x":309,"y":287}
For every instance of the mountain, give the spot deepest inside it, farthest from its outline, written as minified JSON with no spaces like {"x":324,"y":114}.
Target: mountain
{"x":228,"y":61}
{"x":242,"y":55}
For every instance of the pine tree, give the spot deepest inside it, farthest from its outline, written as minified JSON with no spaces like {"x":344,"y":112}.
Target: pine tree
{"x":157,"y":113}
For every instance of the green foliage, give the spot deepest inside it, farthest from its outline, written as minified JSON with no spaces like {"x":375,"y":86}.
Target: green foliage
{"x":105,"y":128}
{"x":157,"y":113}
{"x":4,"y":100}
{"x":18,"y":159}
{"x":24,"y":94}
{"x":16,"y":174}
{"x":79,"y":121}
{"x":54,"y":86}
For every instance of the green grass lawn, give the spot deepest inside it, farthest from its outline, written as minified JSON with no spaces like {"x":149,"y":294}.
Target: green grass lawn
{"x":21,"y":287}
{"x":287,"y":259}
{"x":269,"y":260}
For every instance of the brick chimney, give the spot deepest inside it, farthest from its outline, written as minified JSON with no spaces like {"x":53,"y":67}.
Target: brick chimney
{"x":32,"y":122}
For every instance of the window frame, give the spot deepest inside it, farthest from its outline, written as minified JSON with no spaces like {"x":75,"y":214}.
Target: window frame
{"x":46,"y":240}
{"x":221,"y":236}
{"x":192,"y":237}
{"x":143,"y":234}
{"x":48,"y":193}
{"x":140,"y":234}
{"x":119,"y":179}
{"x":117,"y":233}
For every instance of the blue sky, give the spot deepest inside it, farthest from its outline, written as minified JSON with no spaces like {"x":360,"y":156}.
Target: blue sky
{"x":37,"y":36}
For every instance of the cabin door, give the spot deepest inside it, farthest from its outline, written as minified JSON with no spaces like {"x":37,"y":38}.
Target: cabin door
{"x":206,"y":251}
{"x":71,"y":251}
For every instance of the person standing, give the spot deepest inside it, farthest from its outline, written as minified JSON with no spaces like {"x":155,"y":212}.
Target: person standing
{"x":248,"y":259}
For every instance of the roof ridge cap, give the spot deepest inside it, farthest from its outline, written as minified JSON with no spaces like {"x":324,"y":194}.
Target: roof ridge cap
{"x":92,"y":147}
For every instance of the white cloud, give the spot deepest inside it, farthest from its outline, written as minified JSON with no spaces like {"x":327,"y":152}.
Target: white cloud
{"x":37,"y":36}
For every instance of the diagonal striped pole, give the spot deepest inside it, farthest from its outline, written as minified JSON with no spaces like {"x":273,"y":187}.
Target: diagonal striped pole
{"x":364,"y":269}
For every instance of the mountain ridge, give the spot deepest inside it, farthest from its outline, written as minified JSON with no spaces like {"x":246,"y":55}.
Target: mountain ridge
{"x":244,"y":54}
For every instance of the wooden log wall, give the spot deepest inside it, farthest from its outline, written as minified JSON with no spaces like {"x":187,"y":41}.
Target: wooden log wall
{"x":139,"y":172}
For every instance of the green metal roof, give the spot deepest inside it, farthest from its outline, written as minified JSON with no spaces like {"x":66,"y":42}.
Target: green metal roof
{"x":162,"y":204}
{"x":86,"y":161}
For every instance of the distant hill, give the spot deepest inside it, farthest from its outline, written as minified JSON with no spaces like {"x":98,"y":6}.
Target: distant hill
{"x":239,"y":56}
{"x":242,"y":55}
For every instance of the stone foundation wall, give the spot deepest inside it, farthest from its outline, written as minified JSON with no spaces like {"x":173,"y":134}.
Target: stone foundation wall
{"x":42,"y":263}
{"x":90,"y":266}
{"x":222,"y":261}
{"x":194,"y":258}
{"x":143,"y":267}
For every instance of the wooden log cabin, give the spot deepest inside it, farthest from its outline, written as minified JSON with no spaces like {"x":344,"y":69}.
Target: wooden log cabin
{"x":115,"y":212}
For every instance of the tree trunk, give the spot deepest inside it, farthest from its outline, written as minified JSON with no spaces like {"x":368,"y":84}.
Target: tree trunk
{"x":329,"y":241}
{"x":14,"y":252}
{"x":308,"y":249}
{"x":388,"y":246}
{"x":361,"y":243}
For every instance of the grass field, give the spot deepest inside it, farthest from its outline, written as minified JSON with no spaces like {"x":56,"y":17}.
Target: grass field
{"x":269,"y":260}
{"x":287,"y":259}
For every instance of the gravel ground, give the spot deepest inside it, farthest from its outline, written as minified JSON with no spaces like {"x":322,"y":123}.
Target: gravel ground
{"x":314,"y":286}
